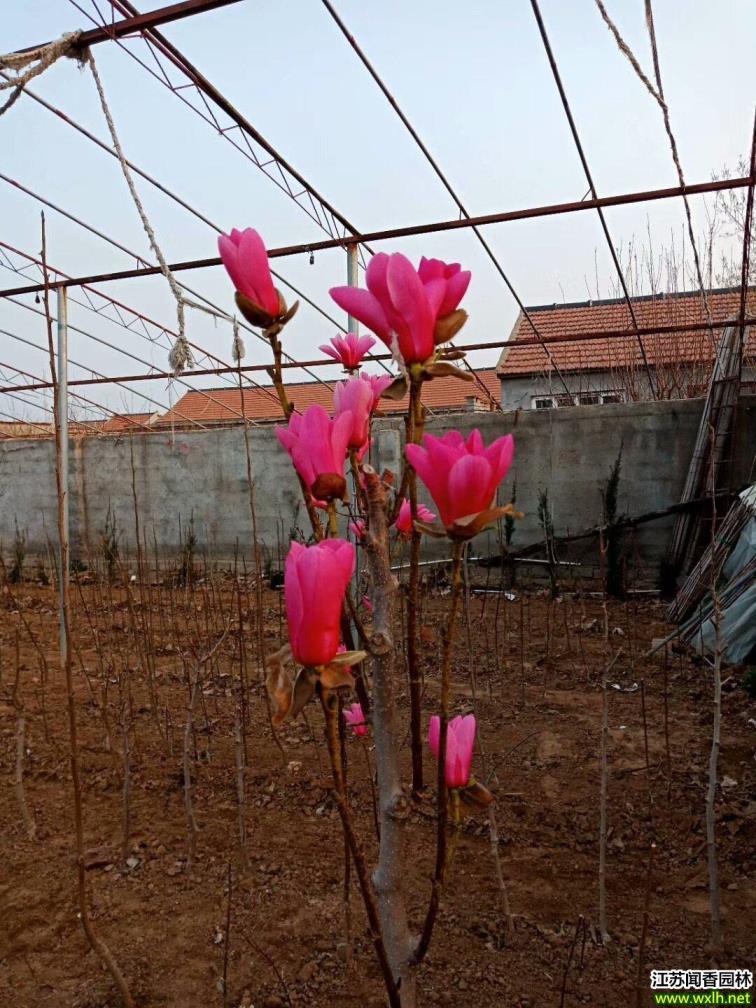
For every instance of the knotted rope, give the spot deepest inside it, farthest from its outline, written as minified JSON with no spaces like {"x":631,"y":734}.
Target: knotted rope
{"x":26,"y":66}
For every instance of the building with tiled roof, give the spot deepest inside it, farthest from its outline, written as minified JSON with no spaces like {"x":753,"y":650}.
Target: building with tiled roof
{"x":123,"y":423}
{"x":611,"y":369}
{"x":224,"y":405}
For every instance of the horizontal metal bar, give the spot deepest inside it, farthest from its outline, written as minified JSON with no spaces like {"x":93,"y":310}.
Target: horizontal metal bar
{"x":329,"y":362}
{"x":550,"y":210}
{"x":142,"y":22}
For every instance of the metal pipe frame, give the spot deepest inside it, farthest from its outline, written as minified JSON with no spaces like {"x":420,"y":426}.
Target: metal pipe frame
{"x":589,"y":178}
{"x":140,"y":22}
{"x":602,"y":334}
{"x":549,"y":210}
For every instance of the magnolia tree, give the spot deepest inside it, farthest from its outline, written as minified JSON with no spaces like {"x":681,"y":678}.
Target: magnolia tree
{"x":415,"y":312}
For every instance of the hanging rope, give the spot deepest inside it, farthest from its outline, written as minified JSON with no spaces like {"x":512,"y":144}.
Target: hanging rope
{"x":657,"y":93}
{"x":180,"y":356}
{"x":27,"y":65}
{"x":238,"y":350}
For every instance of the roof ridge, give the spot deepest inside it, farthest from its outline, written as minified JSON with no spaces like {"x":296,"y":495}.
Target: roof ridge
{"x":260,"y":387}
{"x":660,"y":296}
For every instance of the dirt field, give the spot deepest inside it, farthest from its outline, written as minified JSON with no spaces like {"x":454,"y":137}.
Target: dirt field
{"x":531,"y":670}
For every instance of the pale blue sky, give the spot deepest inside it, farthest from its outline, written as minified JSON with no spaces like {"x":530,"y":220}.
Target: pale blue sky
{"x":474,"y":80}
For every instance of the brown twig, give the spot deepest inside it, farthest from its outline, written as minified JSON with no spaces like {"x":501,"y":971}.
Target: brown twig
{"x":640,"y":976}
{"x":414,"y":427}
{"x":442,"y":806}
{"x":18,"y":775}
{"x":578,"y":927}
{"x":227,"y":935}
{"x":331,"y":715}
{"x":97,"y":944}
{"x":603,"y":794}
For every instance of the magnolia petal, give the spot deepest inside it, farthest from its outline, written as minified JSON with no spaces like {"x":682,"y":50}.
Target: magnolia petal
{"x":434,"y":734}
{"x":364,"y":306}
{"x":456,"y":288}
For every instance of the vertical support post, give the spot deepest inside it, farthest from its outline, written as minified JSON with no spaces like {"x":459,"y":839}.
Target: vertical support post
{"x":353,"y":326}
{"x":353,"y":279}
{"x":62,"y":410}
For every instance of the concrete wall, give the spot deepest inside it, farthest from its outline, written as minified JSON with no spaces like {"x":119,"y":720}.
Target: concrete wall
{"x":203,"y":474}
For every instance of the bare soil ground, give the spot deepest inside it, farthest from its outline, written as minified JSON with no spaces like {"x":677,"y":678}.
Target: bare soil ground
{"x":529,"y":668}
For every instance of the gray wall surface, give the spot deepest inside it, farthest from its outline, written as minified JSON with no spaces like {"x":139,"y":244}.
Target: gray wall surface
{"x":518,"y":392}
{"x":203,"y":474}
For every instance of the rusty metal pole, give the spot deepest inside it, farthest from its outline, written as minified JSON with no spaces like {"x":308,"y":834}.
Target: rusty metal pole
{"x":353,"y":326}
{"x":353,"y":279}
{"x":62,"y":393}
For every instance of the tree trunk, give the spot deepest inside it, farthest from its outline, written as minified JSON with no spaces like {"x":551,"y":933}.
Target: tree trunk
{"x":389,"y":875}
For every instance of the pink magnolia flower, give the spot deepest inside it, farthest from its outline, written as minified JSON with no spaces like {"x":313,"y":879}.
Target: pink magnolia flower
{"x":456,"y":281}
{"x":316,"y":578}
{"x":360,"y":396}
{"x":246,"y":260}
{"x":460,"y":741}
{"x":349,"y":349}
{"x":404,"y":519}
{"x":400,"y":305}
{"x":462,"y":476}
{"x":355,"y":397}
{"x":358,"y":529}
{"x":318,"y":447}
{"x":378,"y":384}
{"x":353,"y":716}
{"x":367,"y":605}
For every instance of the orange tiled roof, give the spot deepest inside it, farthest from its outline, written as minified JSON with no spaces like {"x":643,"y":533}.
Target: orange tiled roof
{"x":121,"y":422}
{"x":24,"y":429}
{"x":261,"y":404}
{"x":605,"y":354}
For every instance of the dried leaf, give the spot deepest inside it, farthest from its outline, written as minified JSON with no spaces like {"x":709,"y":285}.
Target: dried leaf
{"x":449,"y":325}
{"x":332,"y":677}
{"x":433,"y":529}
{"x":289,"y":315}
{"x":396,"y":390}
{"x":304,"y":687}
{"x":252,"y":312}
{"x":442,"y":369}
{"x":279,"y":683}
{"x":329,"y":486}
{"x":471,"y":525}
{"x":475,"y":796}
{"x":348,"y":658}
{"x":453,"y":354}
{"x":428,"y":636}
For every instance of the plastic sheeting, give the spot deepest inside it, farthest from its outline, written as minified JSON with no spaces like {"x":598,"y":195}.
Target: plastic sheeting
{"x":737,"y":594}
